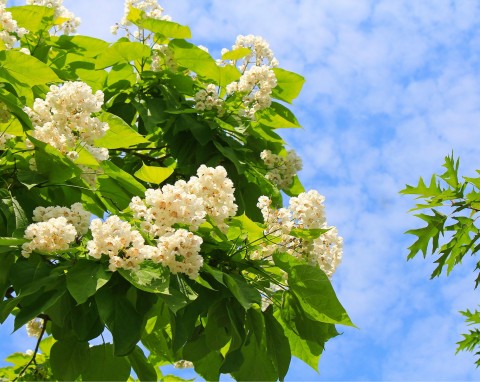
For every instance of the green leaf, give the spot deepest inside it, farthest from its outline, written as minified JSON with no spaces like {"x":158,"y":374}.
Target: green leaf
{"x":431,"y":232}
{"x":144,"y":369}
{"x":120,"y":134}
{"x":289,"y":85}
{"x":277,"y":345}
{"x":122,"y":52}
{"x":151,"y":174}
{"x":11,"y":241}
{"x":236,"y":54}
{"x":82,"y":45}
{"x":422,"y":190}
{"x":40,"y":303}
{"x":34,"y":18}
{"x":316,"y":296}
{"x":124,"y":179}
{"x":69,"y":359}
{"x":218,"y":326}
{"x":308,"y":234}
{"x":243,"y":292}
{"x":6,"y":261}
{"x":51,"y":162}
{"x":105,"y":366}
{"x":451,"y":174}
{"x":277,"y":116}
{"x":16,"y":108}
{"x":192,"y":57}
{"x":162,"y":27}
{"x":150,"y":277}
{"x":121,"y":318}
{"x":17,"y":67}
{"x":85,"y":278}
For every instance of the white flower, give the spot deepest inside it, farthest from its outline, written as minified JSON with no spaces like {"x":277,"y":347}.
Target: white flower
{"x":117,"y":240}
{"x":282,"y":169}
{"x":49,"y":236}
{"x":179,"y":251}
{"x":34,"y":327}
{"x":64,"y":121}
{"x":9,"y":30}
{"x":208,"y":99}
{"x":305,"y":211}
{"x":75,"y":215}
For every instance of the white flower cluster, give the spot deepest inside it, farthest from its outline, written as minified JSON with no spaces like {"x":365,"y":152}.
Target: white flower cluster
{"x":258,"y":79}
{"x":179,"y":251}
{"x":207,"y":99}
{"x":183,"y":364}
{"x":305,"y":211}
{"x":210,"y":192}
{"x":10,"y":33}
{"x":152,"y":10}
{"x":116,"y":239}
{"x":71,"y":22}
{"x":55,"y":234}
{"x":162,"y":57}
{"x":261,"y":53}
{"x":4,"y":137}
{"x":126,"y":248}
{"x":64,"y":121}
{"x":75,"y":215}
{"x":282,"y":169}
{"x":56,"y":228}
{"x":34,"y":327}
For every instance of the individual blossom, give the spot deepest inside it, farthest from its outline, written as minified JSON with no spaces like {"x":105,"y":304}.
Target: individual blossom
{"x":70,"y":23}
{"x":281,"y":169}
{"x":162,"y":58}
{"x":55,"y":234}
{"x":208,"y":99}
{"x":306,"y":211}
{"x":10,"y":32}
{"x":75,"y":215}
{"x":34,"y":327}
{"x":117,"y":240}
{"x":179,"y":251}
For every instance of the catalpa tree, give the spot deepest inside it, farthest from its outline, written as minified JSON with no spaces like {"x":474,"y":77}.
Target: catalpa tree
{"x":141,"y":213}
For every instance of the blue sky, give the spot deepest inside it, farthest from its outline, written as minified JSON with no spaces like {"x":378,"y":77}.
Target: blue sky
{"x":392,"y":87}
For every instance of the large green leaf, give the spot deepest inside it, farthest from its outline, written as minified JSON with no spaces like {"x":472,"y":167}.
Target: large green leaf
{"x":162,"y":27}
{"x":17,"y":67}
{"x":277,"y":345}
{"x":53,"y":163}
{"x":122,"y":52}
{"x":123,"y":178}
{"x":85,"y":278}
{"x":121,"y":318}
{"x":69,"y":359}
{"x":316,"y":295}
{"x":16,"y":108}
{"x":105,"y":366}
{"x":144,"y":369}
{"x":82,"y":45}
{"x":277,"y":116}
{"x":289,"y":85}
{"x":34,"y":18}
{"x":119,"y":135}
{"x":153,"y":174}
{"x":150,"y":277}
{"x":197,"y":60}
{"x":246,"y":294}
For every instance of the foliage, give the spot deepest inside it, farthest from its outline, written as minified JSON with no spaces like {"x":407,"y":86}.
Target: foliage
{"x":452,"y":229}
{"x":147,"y":129}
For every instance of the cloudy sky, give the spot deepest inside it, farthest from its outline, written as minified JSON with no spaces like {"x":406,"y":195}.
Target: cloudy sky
{"x":392,"y":87}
